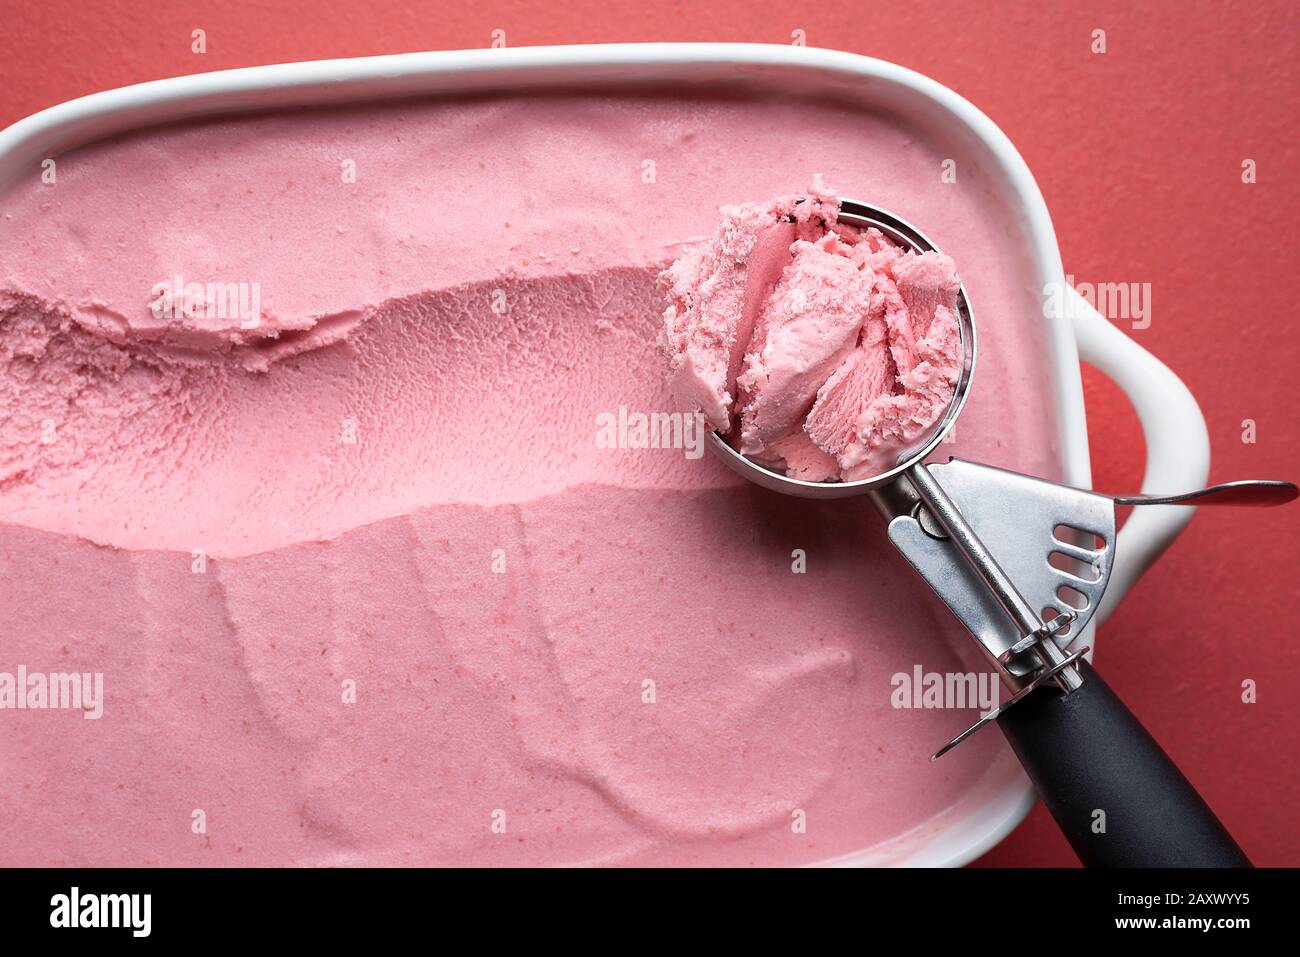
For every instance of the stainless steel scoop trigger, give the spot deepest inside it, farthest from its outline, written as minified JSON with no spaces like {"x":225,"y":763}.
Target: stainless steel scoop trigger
{"x":1054,"y":541}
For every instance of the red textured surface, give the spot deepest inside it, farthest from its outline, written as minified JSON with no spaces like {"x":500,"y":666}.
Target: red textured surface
{"x":1139,"y":154}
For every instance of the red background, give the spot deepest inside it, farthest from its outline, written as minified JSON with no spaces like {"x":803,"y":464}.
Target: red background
{"x":1138,"y":152}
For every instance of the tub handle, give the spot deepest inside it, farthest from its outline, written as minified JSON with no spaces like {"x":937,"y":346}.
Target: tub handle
{"x":1177,"y":441}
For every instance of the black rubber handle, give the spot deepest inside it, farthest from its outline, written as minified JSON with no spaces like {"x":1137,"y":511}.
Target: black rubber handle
{"x":1088,"y":757}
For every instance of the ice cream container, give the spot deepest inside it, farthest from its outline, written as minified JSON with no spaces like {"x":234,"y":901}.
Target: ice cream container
{"x":1175,"y":432}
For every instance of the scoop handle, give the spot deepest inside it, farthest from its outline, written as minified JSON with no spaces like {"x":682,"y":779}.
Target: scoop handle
{"x":1116,"y":795}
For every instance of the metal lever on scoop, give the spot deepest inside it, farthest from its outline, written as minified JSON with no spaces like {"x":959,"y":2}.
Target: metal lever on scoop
{"x":1259,"y":492}
{"x":1116,"y":795}
{"x":955,"y":531}
{"x":1035,"y":639}
{"x":1248,"y":492}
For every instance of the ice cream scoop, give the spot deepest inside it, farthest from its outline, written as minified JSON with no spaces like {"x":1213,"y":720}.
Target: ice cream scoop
{"x":1023,"y":563}
{"x":818,"y":345}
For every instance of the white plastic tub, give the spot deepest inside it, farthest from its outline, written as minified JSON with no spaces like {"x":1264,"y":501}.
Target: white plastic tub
{"x":1176,"y":439}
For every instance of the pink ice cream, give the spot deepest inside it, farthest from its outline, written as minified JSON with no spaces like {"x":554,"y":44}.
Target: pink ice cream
{"x":392,"y":574}
{"x":817,"y":348}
